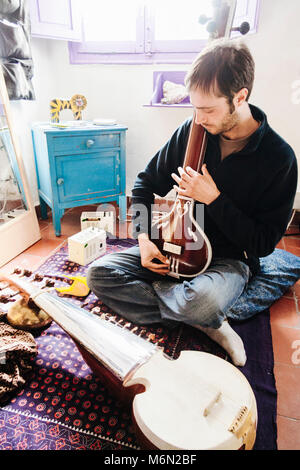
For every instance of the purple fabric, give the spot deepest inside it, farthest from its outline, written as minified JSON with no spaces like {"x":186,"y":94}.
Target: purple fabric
{"x":64,"y":406}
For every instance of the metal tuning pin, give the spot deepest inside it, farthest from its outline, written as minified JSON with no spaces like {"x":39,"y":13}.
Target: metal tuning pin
{"x":37,"y":278}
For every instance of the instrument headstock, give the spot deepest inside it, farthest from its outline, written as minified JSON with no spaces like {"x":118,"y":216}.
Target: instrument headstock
{"x":220,"y":24}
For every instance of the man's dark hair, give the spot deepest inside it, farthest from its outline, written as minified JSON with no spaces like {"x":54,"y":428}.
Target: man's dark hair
{"x":224,"y":67}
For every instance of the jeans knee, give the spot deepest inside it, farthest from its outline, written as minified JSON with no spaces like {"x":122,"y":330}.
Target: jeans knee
{"x":96,"y":275}
{"x":91,"y":276}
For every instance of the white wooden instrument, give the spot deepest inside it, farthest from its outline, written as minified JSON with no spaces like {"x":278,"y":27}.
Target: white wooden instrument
{"x":198,"y":401}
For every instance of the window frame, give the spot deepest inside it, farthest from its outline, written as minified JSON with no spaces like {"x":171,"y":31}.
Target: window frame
{"x":148,"y":52}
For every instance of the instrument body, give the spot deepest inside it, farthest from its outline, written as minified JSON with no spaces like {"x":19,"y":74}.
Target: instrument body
{"x":178,"y":235}
{"x":198,"y":401}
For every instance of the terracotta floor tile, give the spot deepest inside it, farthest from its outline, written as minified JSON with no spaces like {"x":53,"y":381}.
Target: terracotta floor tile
{"x":292,"y":241}
{"x":296,"y":289}
{"x":292,"y":248}
{"x":288,"y":388}
{"x":280,"y":245}
{"x":45,"y":247}
{"x":68,"y":228}
{"x":286,"y":342}
{"x":288,"y":433}
{"x":284,"y":312}
{"x":23,"y":261}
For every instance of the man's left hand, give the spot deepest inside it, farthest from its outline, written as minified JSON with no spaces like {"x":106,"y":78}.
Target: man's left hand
{"x":202,"y":188}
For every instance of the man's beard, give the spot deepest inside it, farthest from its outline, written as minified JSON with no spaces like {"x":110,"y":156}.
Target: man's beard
{"x":228,"y":123}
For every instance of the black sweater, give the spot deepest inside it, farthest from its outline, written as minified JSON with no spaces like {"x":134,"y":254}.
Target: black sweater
{"x":257,"y":185}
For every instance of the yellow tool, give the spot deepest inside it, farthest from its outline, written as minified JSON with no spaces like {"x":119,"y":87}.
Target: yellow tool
{"x":79,"y":287}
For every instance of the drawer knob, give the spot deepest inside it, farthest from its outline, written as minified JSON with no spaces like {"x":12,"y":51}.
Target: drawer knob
{"x":90,"y":143}
{"x":60,"y":181}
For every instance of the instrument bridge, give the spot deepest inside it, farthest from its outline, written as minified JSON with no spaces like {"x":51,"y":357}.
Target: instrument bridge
{"x":172,"y":248}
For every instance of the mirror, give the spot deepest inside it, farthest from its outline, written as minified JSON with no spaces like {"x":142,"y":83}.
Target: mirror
{"x":18,"y":222}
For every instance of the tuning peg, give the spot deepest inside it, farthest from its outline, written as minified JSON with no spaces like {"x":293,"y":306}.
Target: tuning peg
{"x":96,"y":310}
{"x":203,"y":19}
{"x":212,"y":27}
{"x":17,"y":271}
{"x":150,"y":337}
{"x":27,"y":273}
{"x":6,"y":298}
{"x":48,"y":283}
{"x":37,"y":278}
{"x":244,"y":28}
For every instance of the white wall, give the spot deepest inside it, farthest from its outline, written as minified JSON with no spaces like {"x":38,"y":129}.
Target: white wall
{"x":119,"y":91}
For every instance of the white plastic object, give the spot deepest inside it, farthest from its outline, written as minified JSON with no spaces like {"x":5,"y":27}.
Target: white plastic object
{"x":87,"y":245}
{"x":101,"y":220}
{"x":104,"y":122}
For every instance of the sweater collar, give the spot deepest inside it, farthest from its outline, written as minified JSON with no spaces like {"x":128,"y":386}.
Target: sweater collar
{"x":257,"y":136}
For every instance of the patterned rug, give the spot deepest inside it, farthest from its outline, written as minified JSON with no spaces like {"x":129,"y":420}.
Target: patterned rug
{"x":64,"y":406}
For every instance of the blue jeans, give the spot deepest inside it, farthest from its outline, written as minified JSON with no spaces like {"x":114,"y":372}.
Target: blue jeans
{"x":144,"y":297}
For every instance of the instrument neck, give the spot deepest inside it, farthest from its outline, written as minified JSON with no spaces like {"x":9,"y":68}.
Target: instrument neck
{"x":196,"y":147}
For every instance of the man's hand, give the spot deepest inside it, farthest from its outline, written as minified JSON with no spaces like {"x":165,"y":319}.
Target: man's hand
{"x":149,"y":251}
{"x":202,"y":188}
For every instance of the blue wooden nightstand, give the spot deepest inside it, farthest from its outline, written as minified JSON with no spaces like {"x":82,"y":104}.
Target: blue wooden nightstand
{"x":77,"y":166}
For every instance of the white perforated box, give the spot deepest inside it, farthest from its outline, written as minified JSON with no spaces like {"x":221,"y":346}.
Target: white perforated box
{"x":87,"y":245}
{"x":103,"y":220}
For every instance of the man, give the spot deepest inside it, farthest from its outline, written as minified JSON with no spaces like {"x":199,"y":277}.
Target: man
{"x":247,"y":186}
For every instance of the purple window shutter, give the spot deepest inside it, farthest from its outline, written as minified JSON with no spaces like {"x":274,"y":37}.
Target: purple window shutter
{"x":56,"y":19}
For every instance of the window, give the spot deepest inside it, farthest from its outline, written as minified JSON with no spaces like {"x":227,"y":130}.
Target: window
{"x":147,"y":31}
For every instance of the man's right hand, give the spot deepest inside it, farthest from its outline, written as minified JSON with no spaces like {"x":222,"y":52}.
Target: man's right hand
{"x":149,"y":251}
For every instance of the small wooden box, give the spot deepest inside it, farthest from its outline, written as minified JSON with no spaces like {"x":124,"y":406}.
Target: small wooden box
{"x":87,"y":245}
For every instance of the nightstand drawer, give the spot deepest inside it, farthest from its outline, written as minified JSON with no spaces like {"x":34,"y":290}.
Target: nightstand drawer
{"x":86,"y":142}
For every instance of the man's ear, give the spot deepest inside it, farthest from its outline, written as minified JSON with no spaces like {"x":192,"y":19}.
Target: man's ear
{"x":241,"y":96}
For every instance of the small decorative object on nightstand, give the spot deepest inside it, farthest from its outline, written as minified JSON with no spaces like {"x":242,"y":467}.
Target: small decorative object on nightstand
{"x":77,"y":104}
{"x":79,"y":166}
